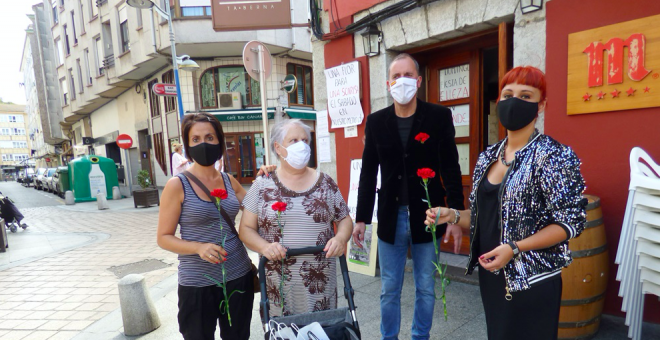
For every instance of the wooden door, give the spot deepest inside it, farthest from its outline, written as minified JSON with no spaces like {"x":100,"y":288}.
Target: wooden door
{"x":454,"y":82}
{"x":240,"y":158}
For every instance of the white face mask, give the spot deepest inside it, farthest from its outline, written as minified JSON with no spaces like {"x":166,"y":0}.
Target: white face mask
{"x":403,"y":90}
{"x":298,"y":155}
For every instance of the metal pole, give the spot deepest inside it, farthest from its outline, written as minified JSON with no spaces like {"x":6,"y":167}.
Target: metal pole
{"x":264,"y":107}
{"x":129,"y":174}
{"x":175,"y":67}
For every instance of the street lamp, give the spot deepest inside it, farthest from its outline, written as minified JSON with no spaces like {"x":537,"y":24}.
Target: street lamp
{"x":186,"y":62}
{"x":371,"y":39}
{"x":528,"y":6}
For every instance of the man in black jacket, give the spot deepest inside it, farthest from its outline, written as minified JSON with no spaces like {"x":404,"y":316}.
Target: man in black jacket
{"x":402,"y":138}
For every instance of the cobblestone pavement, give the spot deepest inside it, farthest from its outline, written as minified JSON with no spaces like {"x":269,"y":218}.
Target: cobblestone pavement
{"x":57,"y":296}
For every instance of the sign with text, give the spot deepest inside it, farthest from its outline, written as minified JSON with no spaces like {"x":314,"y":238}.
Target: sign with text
{"x":343,"y":84}
{"x":237,"y":117}
{"x":615,"y":67}
{"x":356,"y":169}
{"x":461,"y":116}
{"x":164,"y":89}
{"x":242,"y":15}
{"x":455,"y":82}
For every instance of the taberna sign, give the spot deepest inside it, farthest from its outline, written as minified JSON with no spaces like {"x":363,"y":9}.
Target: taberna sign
{"x":242,"y":15}
{"x":161,"y":89}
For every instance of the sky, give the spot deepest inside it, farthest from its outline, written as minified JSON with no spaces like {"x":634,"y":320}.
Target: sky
{"x":13,"y":22}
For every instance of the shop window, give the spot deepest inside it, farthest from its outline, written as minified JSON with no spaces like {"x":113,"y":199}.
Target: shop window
{"x":170,"y":102}
{"x":304,"y":93}
{"x":154,"y":103}
{"x":228,"y":79}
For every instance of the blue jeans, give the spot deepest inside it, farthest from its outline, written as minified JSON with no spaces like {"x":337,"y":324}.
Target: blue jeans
{"x":392,"y":258}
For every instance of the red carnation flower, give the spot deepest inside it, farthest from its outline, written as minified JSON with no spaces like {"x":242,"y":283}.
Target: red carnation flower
{"x":279,"y":206}
{"x":425,"y":173}
{"x":219,"y":193}
{"x":422,"y":137}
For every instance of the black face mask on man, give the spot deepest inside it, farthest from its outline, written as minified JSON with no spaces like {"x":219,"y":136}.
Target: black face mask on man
{"x":205,"y":154}
{"x":516,"y":113}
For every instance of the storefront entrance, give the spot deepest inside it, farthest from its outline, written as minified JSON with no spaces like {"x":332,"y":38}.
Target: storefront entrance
{"x":244,"y":155}
{"x":463,"y":75}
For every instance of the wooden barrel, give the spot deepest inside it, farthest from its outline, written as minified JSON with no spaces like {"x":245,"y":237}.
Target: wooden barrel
{"x":585,"y":280}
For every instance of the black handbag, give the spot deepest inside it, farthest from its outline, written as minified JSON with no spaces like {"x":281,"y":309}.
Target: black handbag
{"x":228,"y":220}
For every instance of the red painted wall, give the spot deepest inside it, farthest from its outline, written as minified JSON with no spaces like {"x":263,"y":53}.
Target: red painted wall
{"x":342,"y":10}
{"x":337,"y":52}
{"x":602,"y":140}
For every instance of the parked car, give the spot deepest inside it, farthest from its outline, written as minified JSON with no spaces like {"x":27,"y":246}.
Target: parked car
{"x":38,"y":178}
{"x":61,"y":181}
{"x":48,"y":179}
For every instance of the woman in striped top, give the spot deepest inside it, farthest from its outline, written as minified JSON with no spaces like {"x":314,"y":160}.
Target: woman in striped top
{"x":202,"y":229}
{"x":314,"y":204}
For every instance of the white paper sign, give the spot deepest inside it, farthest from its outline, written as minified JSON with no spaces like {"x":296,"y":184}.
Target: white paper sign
{"x":322,"y":124}
{"x":323,"y":149}
{"x":455,"y":82}
{"x":343,"y":83}
{"x":350,"y":132}
{"x":356,"y":168}
{"x":97,"y":181}
{"x":461,"y":114}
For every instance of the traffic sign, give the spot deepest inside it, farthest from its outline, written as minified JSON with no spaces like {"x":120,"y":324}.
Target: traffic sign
{"x":289,"y":83}
{"x":251,"y":59}
{"x":124,"y":141}
{"x":161,"y":89}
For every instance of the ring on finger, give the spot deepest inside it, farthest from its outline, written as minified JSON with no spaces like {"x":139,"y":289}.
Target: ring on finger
{"x":209,"y":256}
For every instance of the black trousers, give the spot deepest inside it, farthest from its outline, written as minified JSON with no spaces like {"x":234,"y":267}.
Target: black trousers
{"x":531,"y":314}
{"x":199,"y":310}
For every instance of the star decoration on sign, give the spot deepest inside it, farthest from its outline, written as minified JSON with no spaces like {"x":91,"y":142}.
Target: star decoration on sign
{"x":630,"y":91}
{"x":586,"y":97}
{"x":615,"y":93}
{"x":647,"y":89}
{"x":601,"y":95}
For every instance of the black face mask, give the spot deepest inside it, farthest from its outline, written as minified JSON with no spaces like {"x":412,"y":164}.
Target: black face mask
{"x":516,"y":113}
{"x":205,"y":154}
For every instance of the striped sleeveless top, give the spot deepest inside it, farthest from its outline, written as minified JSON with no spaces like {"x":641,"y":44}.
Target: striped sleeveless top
{"x":200,"y":221}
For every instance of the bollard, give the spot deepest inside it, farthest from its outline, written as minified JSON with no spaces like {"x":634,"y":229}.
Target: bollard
{"x":137,"y":310}
{"x":101,"y":201}
{"x":116,"y":194}
{"x":68,"y":198}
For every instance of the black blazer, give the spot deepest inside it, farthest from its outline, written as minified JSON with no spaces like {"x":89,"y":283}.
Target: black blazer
{"x":383,"y":147}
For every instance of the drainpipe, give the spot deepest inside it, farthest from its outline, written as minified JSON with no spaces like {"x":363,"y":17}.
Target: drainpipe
{"x":153,"y":32}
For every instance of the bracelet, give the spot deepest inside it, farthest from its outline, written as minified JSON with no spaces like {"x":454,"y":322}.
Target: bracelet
{"x":457,"y":215}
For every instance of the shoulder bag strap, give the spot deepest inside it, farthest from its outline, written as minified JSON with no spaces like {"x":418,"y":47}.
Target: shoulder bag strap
{"x":199,"y":183}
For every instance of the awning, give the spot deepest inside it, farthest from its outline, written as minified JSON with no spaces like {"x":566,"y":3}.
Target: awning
{"x":240,"y":115}
{"x":301,"y":113}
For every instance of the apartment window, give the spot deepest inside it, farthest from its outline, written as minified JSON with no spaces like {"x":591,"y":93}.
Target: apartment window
{"x":80,"y":76}
{"x":154,"y":103}
{"x":66,"y":41}
{"x":19,"y":145}
{"x":170,"y":102}
{"x":7,"y":157}
{"x":304,"y":94}
{"x":5,"y":131}
{"x":99,"y":56}
{"x":228,"y":79}
{"x":138,"y":13}
{"x":93,"y":10}
{"x":123,"y":29}
{"x":82,"y":18}
{"x":73,"y":85}
{"x":65,"y":92}
{"x":195,"y":11}
{"x":17,"y":131}
{"x":73,"y":26}
{"x":88,"y":74}
{"x":55,"y":17}
{"x":60,"y":51}
{"x":61,"y":3}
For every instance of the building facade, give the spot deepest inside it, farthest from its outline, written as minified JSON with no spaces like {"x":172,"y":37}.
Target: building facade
{"x":14,"y":143}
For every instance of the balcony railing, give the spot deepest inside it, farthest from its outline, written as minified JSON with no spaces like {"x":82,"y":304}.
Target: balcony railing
{"x":100,"y":2}
{"x":109,"y":61}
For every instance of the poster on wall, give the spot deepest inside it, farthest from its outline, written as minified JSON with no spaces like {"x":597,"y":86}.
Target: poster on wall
{"x":343,"y":84}
{"x":362,"y":260}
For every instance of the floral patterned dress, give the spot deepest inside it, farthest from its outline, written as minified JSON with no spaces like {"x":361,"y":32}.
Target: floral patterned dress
{"x":310,"y":281}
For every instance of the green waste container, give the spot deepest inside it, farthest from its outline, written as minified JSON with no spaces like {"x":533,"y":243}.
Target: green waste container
{"x":62,"y":183}
{"x":89,"y":175}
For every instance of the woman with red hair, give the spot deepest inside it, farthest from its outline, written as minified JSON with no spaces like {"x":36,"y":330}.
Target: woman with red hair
{"x":526,"y":203}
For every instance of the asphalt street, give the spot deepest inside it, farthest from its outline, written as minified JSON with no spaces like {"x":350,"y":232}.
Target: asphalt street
{"x":25,"y":197}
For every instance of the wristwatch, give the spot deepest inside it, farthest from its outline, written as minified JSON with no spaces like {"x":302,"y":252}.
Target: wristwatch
{"x":514,"y":247}
{"x":457,"y":215}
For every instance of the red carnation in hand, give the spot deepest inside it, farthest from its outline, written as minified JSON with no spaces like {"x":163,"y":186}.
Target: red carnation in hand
{"x":425,"y":173}
{"x":219,"y":193}
{"x":279,"y":206}
{"x":422,"y":137}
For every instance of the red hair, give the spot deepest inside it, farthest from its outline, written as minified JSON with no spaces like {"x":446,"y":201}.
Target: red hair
{"x":525,"y":75}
